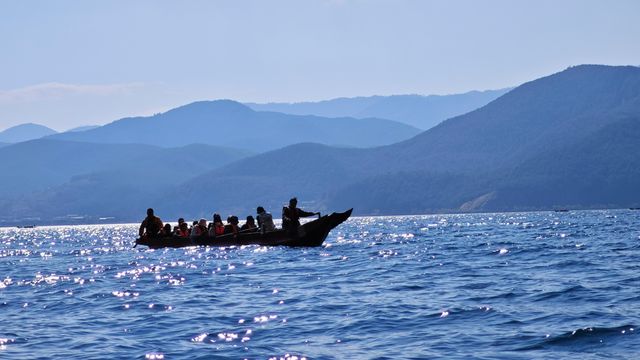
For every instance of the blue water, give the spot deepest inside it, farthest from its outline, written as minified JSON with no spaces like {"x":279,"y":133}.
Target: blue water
{"x":512,"y":285}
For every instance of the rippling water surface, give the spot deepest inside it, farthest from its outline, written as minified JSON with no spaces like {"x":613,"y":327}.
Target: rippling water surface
{"x":512,"y":285}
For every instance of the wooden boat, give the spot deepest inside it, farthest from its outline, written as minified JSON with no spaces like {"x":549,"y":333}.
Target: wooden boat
{"x":309,"y":234}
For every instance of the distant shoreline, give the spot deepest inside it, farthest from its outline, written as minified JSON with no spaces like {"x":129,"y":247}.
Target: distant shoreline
{"x":35,"y":225}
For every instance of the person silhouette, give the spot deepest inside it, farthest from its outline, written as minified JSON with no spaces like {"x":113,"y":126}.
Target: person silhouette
{"x":151,"y":225}
{"x":291,"y":216}
{"x":265,"y":220}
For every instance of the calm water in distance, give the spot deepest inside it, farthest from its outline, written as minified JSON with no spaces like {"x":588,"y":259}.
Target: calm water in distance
{"x":533,"y":285}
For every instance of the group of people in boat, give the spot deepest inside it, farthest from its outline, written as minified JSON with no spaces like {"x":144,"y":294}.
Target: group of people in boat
{"x":152,"y":226}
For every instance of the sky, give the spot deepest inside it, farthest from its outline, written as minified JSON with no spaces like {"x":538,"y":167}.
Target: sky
{"x":70,"y":63}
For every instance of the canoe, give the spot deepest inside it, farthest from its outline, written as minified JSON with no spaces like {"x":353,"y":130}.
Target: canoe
{"x":312,"y":233}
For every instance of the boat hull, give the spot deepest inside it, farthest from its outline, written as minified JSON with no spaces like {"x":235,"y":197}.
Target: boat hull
{"x":310,"y":234}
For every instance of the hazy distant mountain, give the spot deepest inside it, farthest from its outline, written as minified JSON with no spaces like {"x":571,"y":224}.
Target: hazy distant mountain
{"x":600,"y":170}
{"x":50,"y":177}
{"x":547,"y":114}
{"x":567,"y":140}
{"x":312,"y":171}
{"x":25,"y":132}
{"x":42,"y":163}
{"x":420,"y":111}
{"x":231,"y":124}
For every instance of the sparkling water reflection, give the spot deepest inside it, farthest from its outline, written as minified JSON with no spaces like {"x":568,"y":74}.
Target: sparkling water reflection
{"x":516,"y":285}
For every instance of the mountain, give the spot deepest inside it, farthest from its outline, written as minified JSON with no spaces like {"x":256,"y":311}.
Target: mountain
{"x":423,"y":112}
{"x":566,"y":140}
{"x":43,"y":163}
{"x":547,"y":114}
{"x":25,"y":132}
{"x":231,"y":124}
{"x":601,"y":170}
{"x":312,"y":170}
{"x":53,"y":177}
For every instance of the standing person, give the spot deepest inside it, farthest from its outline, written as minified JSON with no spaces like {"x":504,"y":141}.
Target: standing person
{"x":265,"y":220}
{"x":291,"y":215}
{"x":151,"y":225}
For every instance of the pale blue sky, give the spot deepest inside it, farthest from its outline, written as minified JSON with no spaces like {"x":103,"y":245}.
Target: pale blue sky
{"x":68,"y":63}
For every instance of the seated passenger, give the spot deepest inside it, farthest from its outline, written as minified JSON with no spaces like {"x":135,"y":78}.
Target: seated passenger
{"x":200,"y":229}
{"x":176,"y":229}
{"x":250,"y":224}
{"x":265,"y":220}
{"x":232,"y":225}
{"x":166,"y":230}
{"x":218,"y":227}
{"x":184,"y":232}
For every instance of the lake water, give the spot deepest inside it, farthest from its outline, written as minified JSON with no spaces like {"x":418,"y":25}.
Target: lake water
{"x":511,"y":285}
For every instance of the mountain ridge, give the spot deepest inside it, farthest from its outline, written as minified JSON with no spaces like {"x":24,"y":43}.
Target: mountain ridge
{"x":421,"y":111}
{"x":25,"y":132}
{"x":476,"y":151}
{"x":229,"y":123}
{"x":567,"y":140}
{"x":52,"y":162}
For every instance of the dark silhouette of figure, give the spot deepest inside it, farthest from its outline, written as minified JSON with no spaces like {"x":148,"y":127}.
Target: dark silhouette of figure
{"x":249,"y":225}
{"x":184,"y":232}
{"x":200,"y":229}
{"x":265,"y":220}
{"x":232,"y":225}
{"x":216,"y":227}
{"x":176,"y":229}
{"x":167,"y":230}
{"x":151,"y":225}
{"x":291,"y":216}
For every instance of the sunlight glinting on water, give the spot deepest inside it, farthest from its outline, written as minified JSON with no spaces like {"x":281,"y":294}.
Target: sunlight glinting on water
{"x":472,"y":285}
